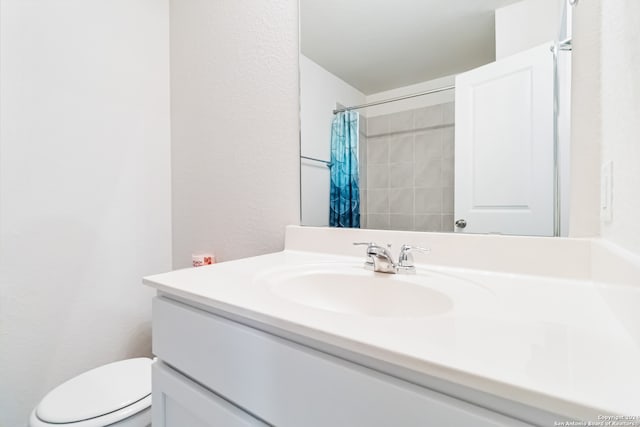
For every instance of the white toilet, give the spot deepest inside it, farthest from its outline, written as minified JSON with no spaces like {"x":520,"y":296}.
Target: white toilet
{"x":117,"y":394}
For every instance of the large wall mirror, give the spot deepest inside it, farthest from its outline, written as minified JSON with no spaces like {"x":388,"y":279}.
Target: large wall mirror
{"x":436,"y":115}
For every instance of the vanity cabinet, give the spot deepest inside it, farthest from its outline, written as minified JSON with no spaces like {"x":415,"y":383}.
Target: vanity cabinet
{"x":211,"y":367}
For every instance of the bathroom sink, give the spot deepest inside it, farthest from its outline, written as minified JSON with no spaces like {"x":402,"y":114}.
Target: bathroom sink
{"x":351,"y":289}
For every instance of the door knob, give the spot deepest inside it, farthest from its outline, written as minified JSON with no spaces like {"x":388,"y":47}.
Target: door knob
{"x":461,"y":223}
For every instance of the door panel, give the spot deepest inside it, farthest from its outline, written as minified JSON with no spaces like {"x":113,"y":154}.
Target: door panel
{"x":179,"y":402}
{"x":504,"y":145}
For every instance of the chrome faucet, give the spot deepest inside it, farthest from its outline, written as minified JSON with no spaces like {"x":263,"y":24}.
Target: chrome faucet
{"x":405,"y":260}
{"x":380,"y":260}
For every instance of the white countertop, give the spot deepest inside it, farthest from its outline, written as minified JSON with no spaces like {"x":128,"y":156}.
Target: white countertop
{"x":555,"y":344}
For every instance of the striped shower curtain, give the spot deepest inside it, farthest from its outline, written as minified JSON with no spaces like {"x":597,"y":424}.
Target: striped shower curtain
{"x":344,"y":205}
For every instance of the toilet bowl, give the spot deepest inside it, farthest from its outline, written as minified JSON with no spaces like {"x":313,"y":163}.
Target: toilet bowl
{"x":117,"y":394}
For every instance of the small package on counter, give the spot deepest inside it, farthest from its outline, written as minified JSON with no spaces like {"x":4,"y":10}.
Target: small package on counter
{"x":199,"y":260}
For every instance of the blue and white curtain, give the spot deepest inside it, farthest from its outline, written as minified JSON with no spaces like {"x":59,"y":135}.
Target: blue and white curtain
{"x":344,"y":205}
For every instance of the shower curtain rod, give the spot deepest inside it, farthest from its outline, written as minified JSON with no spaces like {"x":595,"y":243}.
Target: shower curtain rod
{"x":399,"y":98}
{"x":327,"y":163}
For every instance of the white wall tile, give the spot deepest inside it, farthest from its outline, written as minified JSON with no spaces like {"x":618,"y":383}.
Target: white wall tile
{"x":401,"y":222}
{"x":400,"y":122}
{"x":400,"y":175}
{"x":402,"y":148}
{"x":432,"y":223}
{"x":427,"y":117}
{"x":377,"y":150}
{"x":378,"y":200}
{"x":378,"y":221}
{"x":428,"y":172}
{"x":378,"y":176}
{"x":428,"y":200}
{"x":378,"y":125}
{"x":428,"y":144}
{"x":401,"y":201}
{"x":419,"y":164}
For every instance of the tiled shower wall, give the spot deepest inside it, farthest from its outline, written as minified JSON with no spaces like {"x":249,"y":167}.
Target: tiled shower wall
{"x":407,"y":176}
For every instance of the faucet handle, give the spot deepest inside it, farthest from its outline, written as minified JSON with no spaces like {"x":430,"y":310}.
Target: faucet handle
{"x":368,"y":264}
{"x":405,"y":260}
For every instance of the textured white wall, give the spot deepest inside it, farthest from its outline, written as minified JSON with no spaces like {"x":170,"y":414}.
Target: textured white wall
{"x":585,"y":121}
{"x":621,"y":117}
{"x":526,"y":24}
{"x":235,"y":126}
{"x":606,"y":118}
{"x":84,"y":187}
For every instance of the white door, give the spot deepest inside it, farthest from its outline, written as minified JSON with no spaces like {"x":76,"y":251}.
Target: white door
{"x":504,"y":146}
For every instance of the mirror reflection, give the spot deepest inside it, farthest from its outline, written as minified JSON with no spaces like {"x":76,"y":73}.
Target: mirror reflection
{"x":436,"y":115}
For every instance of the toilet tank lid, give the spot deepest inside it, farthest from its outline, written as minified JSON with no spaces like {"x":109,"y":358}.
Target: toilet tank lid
{"x":98,"y":392}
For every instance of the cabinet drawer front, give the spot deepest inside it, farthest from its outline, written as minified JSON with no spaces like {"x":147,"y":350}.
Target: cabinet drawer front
{"x":179,"y":402}
{"x":287,"y":384}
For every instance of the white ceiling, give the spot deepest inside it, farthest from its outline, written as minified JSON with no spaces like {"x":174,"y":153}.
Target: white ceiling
{"x":376,"y":45}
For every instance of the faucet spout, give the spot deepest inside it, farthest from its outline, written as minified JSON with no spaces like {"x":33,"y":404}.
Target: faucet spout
{"x":382,"y":259}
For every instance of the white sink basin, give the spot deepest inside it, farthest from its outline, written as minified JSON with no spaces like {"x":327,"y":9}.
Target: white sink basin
{"x":353,"y":290}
